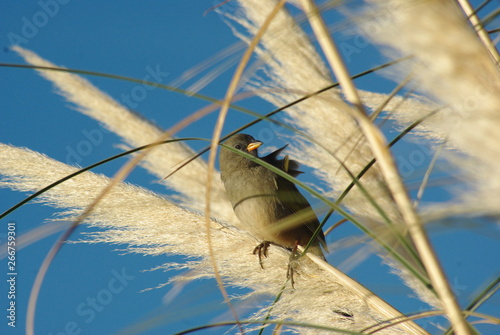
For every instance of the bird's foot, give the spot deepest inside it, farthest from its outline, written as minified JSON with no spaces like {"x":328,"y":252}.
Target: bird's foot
{"x":293,"y":264}
{"x":261,"y":250}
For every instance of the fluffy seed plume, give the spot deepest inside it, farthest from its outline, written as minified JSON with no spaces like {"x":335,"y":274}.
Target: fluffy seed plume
{"x":152,"y":225}
{"x":452,"y":67}
{"x":136,"y":131}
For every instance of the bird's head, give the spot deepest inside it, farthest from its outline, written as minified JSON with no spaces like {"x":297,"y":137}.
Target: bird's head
{"x":230,"y":160}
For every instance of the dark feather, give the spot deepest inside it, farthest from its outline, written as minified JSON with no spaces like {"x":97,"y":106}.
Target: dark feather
{"x":297,"y":203}
{"x":288,"y":165}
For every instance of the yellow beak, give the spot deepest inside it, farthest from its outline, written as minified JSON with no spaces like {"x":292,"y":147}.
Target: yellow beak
{"x":254,"y":145}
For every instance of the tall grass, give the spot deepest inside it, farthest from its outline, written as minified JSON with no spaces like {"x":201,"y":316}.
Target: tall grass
{"x":449,"y":71}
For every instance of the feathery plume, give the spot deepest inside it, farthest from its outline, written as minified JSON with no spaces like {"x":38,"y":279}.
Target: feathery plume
{"x":454,"y":68}
{"x":136,"y":131}
{"x":152,"y":225}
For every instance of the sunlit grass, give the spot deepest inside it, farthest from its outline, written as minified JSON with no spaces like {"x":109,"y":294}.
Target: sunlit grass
{"x":347,"y":150}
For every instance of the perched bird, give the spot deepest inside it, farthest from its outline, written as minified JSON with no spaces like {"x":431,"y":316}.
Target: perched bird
{"x":262,"y":199}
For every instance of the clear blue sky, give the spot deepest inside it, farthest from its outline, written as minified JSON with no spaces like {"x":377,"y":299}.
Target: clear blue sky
{"x":130,"y":38}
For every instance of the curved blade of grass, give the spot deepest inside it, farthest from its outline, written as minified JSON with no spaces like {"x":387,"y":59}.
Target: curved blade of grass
{"x":397,"y":320}
{"x":231,"y":90}
{"x":421,"y":315}
{"x":480,"y":299}
{"x":389,"y":170}
{"x":276,"y":299}
{"x":337,"y":224}
{"x":124,"y":78}
{"x":35,"y":235}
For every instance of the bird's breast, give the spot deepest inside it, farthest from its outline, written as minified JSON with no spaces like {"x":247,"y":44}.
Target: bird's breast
{"x":253,"y":194}
{"x":258,"y":213}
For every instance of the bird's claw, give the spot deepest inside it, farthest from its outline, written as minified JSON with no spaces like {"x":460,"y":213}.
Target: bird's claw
{"x":261,"y":250}
{"x":292,"y":265}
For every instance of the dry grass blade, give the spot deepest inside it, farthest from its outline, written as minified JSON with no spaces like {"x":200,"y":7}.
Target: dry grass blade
{"x":233,"y":85}
{"x":35,"y":235}
{"x":332,"y":54}
{"x":389,"y":170}
{"x":427,"y":175}
{"x":483,"y":34}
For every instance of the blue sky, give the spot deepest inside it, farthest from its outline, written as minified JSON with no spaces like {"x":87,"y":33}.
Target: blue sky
{"x":94,"y":288}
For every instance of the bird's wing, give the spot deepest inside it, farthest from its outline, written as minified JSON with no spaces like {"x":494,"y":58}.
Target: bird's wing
{"x":288,"y":165}
{"x":295,"y":202}
{"x":289,"y":195}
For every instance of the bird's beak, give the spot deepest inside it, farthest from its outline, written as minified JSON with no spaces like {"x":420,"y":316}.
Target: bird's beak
{"x":254,"y":145}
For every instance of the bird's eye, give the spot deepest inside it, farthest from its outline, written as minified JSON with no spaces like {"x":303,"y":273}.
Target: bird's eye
{"x":238,"y":147}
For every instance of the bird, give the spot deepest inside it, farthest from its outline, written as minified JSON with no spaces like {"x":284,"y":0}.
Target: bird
{"x":262,"y":199}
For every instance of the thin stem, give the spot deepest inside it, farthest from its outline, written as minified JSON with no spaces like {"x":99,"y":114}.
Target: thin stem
{"x":388,"y":168}
{"x":427,"y":175}
{"x":482,"y":33}
{"x":278,"y":297}
{"x":332,"y":54}
{"x":233,"y":85}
